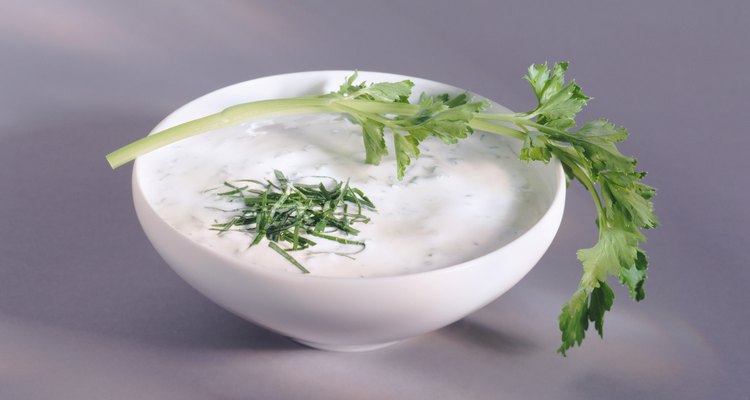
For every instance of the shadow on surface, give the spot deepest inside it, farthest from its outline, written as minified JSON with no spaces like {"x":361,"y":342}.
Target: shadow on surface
{"x":469,"y":330}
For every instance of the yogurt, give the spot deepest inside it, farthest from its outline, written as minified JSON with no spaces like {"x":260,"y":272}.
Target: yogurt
{"x":456,"y":202}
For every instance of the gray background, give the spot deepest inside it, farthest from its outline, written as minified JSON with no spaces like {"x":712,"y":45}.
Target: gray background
{"x":89,"y":311}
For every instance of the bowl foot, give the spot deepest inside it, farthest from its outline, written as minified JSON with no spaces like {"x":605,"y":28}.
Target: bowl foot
{"x":344,"y":348}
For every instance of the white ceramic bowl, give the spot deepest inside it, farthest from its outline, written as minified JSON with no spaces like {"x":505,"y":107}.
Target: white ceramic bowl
{"x":345,"y":314}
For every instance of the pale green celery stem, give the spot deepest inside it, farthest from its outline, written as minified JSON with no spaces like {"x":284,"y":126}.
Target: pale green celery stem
{"x":375,"y":110}
{"x":587,"y":183}
{"x":513,"y":117}
{"x":374,"y":107}
{"x":230,"y":116}
{"x":302,"y":105}
{"x":345,"y":107}
{"x":497,"y":129}
{"x":522,"y":119}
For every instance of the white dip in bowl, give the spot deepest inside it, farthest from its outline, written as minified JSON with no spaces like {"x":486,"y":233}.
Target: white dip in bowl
{"x":463,"y":226}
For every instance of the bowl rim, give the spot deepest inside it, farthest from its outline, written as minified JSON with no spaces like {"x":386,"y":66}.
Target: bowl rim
{"x":558,"y":195}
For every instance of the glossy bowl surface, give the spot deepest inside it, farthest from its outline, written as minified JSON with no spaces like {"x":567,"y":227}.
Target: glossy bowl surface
{"x":345,"y":314}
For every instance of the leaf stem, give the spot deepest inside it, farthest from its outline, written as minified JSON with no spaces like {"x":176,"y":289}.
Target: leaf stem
{"x":377,"y":107}
{"x":288,"y":257}
{"x":230,"y":116}
{"x":497,"y":129}
{"x":583,"y":178}
{"x":522,"y":119}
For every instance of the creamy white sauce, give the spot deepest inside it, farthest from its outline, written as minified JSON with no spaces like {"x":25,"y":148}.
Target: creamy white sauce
{"x":456,"y":202}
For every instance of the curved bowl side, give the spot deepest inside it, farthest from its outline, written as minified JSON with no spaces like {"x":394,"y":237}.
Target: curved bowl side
{"x":335,"y":312}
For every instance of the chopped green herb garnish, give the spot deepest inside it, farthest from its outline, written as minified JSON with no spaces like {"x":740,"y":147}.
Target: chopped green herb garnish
{"x":588,"y":154}
{"x":283,"y":212}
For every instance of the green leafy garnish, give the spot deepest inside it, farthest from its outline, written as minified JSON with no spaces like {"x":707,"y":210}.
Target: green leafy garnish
{"x":287,"y":212}
{"x":587,"y":153}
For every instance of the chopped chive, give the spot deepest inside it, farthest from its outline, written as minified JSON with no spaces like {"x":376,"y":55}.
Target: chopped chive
{"x":335,"y":238}
{"x":284,"y":211}
{"x":288,"y":257}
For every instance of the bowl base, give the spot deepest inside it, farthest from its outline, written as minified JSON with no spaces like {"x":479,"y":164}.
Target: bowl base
{"x":344,"y":348}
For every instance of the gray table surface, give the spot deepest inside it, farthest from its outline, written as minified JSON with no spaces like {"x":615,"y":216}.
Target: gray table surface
{"x":88,"y":310}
